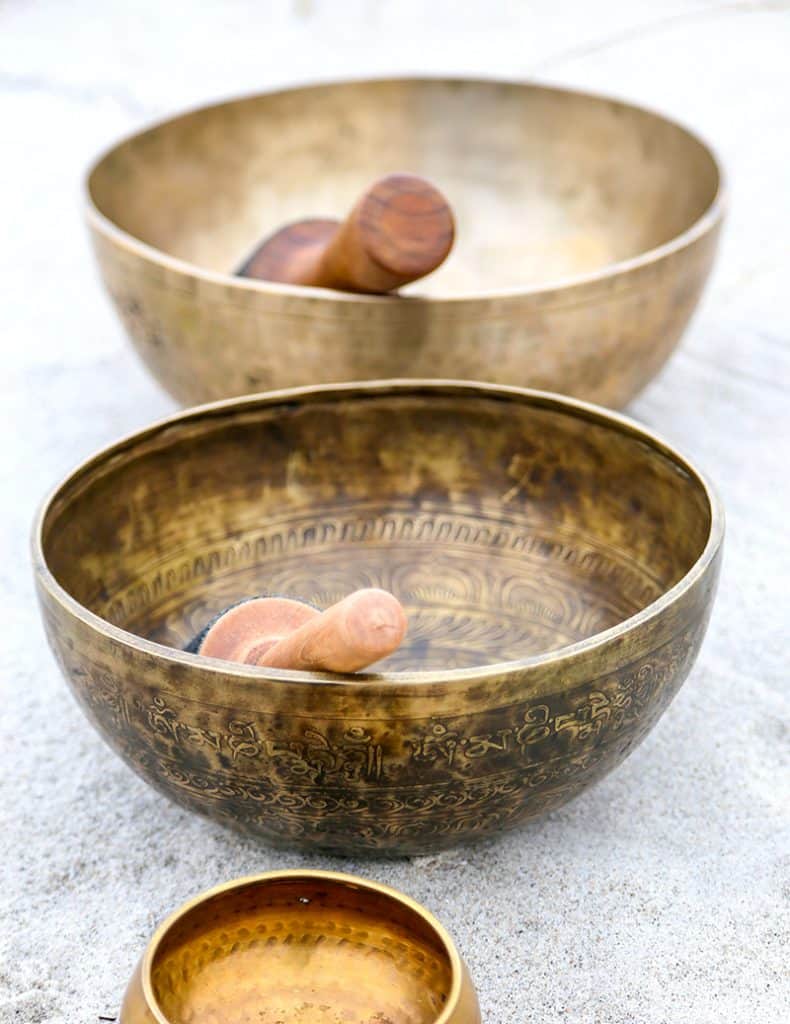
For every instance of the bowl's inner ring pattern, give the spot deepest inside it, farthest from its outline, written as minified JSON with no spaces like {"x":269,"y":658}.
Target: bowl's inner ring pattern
{"x":476,"y":589}
{"x":503,"y":535}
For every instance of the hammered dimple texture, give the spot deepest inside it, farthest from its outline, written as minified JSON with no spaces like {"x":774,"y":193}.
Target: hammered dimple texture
{"x":281,"y":966}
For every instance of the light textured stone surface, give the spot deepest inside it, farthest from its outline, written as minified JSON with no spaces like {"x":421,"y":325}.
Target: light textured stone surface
{"x":662,"y":895}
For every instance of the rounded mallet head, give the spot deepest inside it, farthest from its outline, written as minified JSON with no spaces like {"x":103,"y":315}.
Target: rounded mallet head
{"x":401,"y":229}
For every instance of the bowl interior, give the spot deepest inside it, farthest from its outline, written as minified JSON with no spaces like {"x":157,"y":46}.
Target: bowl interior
{"x":546,"y":184}
{"x":507,"y":525}
{"x":301,"y":951}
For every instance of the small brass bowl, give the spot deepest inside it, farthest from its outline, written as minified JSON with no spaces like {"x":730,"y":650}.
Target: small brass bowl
{"x":301,"y":947}
{"x":557,"y":564}
{"x":586,"y":229}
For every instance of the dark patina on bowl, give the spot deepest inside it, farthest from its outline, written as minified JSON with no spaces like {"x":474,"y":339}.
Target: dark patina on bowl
{"x":557,"y":563}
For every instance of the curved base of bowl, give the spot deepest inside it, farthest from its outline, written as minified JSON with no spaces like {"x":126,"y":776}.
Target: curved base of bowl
{"x":323,"y":787}
{"x":601,"y":341}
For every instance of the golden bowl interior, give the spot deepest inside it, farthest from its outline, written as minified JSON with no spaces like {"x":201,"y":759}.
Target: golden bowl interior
{"x":546,"y":184}
{"x":302,"y":950}
{"x":509,"y":526}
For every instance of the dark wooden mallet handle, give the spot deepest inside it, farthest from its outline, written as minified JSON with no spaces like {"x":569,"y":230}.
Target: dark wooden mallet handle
{"x":400,"y":230}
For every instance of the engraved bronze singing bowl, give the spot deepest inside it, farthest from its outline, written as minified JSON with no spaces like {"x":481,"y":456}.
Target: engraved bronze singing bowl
{"x":301,"y":947}
{"x":585,"y":230}
{"x":557,"y":564}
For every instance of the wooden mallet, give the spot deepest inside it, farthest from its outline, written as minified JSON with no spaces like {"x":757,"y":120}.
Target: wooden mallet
{"x":277,"y":632}
{"x":401,"y":229}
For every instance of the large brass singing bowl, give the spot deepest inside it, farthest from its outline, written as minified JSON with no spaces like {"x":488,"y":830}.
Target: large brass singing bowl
{"x":557,"y":564}
{"x":301,"y":947}
{"x":585,"y":231}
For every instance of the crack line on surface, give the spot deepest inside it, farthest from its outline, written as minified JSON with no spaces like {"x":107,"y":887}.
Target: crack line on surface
{"x":775,"y":340}
{"x":639,"y":32}
{"x":737,"y":374}
{"x":83,"y":95}
{"x":728,"y":291}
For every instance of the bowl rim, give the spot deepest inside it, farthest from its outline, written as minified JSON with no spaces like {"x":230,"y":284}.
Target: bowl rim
{"x":705,"y":223}
{"x":252,"y":675}
{"x":338,"y":877}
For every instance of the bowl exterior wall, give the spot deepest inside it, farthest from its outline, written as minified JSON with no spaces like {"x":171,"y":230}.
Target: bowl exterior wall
{"x":385,"y":768}
{"x":134,"y":1009}
{"x":204,"y":339}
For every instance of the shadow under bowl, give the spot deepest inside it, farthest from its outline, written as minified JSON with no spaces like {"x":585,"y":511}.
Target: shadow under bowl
{"x":586,"y":228}
{"x":301,"y":947}
{"x":556,"y":561}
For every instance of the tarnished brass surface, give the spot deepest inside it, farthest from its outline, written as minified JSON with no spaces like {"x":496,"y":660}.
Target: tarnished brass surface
{"x":557,"y":564}
{"x":585,"y":232}
{"x":301,"y":947}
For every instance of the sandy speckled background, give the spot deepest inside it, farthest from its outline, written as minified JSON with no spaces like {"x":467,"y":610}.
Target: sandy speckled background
{"x":661,"y":897}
